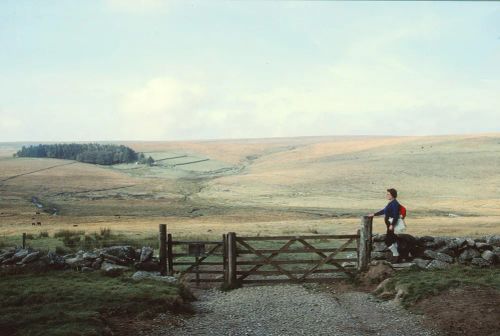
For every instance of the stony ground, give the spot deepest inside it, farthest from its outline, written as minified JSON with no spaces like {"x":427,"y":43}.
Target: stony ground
{"x":295,"y":310}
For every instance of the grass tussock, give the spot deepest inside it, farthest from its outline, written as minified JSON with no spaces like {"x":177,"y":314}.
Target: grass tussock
{"x":71,"y":303}
{"x":421,"y":284}
{"x":80,"y":240}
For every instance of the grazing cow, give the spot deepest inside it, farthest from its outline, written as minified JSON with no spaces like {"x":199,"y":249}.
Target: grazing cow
{"x":38,"y":223}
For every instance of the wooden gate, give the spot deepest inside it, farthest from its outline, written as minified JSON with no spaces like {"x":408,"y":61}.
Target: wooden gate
{"x":237,"y":260}
{"x":293,"y":258}
{"x":194,"y":260}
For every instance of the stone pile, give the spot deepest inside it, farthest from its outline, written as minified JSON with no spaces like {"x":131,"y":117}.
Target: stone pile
{"x":111,"y":261}
{"x":441,"y":252}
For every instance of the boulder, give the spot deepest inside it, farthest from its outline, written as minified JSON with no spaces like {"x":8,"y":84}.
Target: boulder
{"x":484,"y":246}
{"x":89,"y":256}
{"x":114,"y":260}
{"x":377,"y":271}
{"x":437,"y":264}
{"x":460,"y":242}
{"x":19,"y":255}
{"x":87,"y":269}
{"x":380,"y":255}
{"x":54,"y":260}
{"x":480,"y":262}
{"x":6,"y":255}
{"x":146,"y":254}
{"x":452,"y":245}
{"x":425,"y":239}
{"x":447,"y":250}
{"x":121,"y":252}
{"x":31,"y":257}
{"x":436,"y":243}
{"x":404,"y":265}
{"x":76,"y":261}
{"x":488,"y":256}
{"x":470,"y":242}
{"x":496,"y":251}
{"x":421,"y":263}
{"x":493,"y":240}
{"x":438,"y":256}
{"x":141,"y":275}
{"x":383,"y":286}
{"x":467,"y":255}
{"x":112,"y":269}
{"x":97,"y":263}
{"x":386,"y":295}
{"x":401,"y":291}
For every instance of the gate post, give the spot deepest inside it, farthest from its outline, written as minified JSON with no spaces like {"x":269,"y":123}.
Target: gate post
{"x":224,"y":259}
{"x":163,"y":248}
{"x":365,"y":243}
{"x":231,"y":260}
{"x":170,"y":255}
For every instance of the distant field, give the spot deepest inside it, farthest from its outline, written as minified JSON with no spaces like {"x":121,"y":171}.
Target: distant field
{"x":450,"y":185}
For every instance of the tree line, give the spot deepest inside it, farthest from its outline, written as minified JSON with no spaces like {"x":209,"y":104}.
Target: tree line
{"x":106,"y":154}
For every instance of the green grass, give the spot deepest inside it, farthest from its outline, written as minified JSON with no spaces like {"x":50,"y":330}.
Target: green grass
{"x":73,"y":303}
{"x":422,"y":284}
{"x":74,"y":240}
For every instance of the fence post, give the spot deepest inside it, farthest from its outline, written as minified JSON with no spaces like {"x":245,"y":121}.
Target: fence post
{"x":365,"y":242}
{"x":231,"y":259}
{"x":170,"y":255}
{"x":224,"y":259}
{"x":163,"y":248}
{"x":24,"y":240}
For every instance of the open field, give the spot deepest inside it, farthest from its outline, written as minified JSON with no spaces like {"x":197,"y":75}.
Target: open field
{"x":449,"y":184}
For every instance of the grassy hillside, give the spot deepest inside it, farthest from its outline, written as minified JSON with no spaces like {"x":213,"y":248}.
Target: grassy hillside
{"x":450,"y":185}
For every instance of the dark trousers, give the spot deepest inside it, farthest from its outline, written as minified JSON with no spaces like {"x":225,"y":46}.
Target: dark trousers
{"x":390,"y":237}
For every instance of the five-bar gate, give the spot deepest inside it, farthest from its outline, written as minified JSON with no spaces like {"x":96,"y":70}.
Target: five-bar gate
{"x":236,"y":260}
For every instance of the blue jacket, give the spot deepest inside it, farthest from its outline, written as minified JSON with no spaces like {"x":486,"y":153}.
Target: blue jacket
{"x":391,"y":210}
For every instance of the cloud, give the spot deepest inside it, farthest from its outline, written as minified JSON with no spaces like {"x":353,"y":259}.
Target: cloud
{"x":159,"y":108}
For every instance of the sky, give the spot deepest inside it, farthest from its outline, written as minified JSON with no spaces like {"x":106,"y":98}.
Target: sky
{"x":103,"y":70}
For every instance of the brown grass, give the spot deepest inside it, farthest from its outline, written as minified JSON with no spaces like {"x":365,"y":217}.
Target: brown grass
{"x":289,"y":185}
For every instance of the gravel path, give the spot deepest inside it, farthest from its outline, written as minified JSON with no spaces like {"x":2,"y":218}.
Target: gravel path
{"x":295,"y":310}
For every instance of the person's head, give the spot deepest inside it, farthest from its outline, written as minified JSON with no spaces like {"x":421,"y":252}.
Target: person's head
{"x":391,"y":194}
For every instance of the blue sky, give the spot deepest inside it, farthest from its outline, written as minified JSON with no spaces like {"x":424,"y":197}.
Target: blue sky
{"x":173,"y":70}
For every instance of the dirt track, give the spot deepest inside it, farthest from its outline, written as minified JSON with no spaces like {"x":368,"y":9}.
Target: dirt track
{"x":295,"y":310}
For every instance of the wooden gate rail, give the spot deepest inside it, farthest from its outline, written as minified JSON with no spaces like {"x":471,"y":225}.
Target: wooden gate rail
{"x":271,"y":260}
{"x":216,"y":248}
{"x":231,"y":248}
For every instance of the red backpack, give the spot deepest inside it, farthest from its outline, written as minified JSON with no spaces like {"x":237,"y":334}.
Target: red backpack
{"x":402,"y":211}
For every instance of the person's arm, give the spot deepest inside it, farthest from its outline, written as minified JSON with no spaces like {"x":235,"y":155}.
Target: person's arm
{"x":378,"y":213}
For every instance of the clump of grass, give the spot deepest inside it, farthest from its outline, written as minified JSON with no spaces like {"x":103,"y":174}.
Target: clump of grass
{"x":30,"y":236}
{"x":68,"y":233}
{"x":73,"y":303}
{"x":61,"y":250}
{"x":422,"y":284}
{"x":43,"y":234}
{"x":105,"y":233}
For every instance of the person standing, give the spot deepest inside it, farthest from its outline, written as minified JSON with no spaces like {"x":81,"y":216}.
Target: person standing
{"x":391,"y":212}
